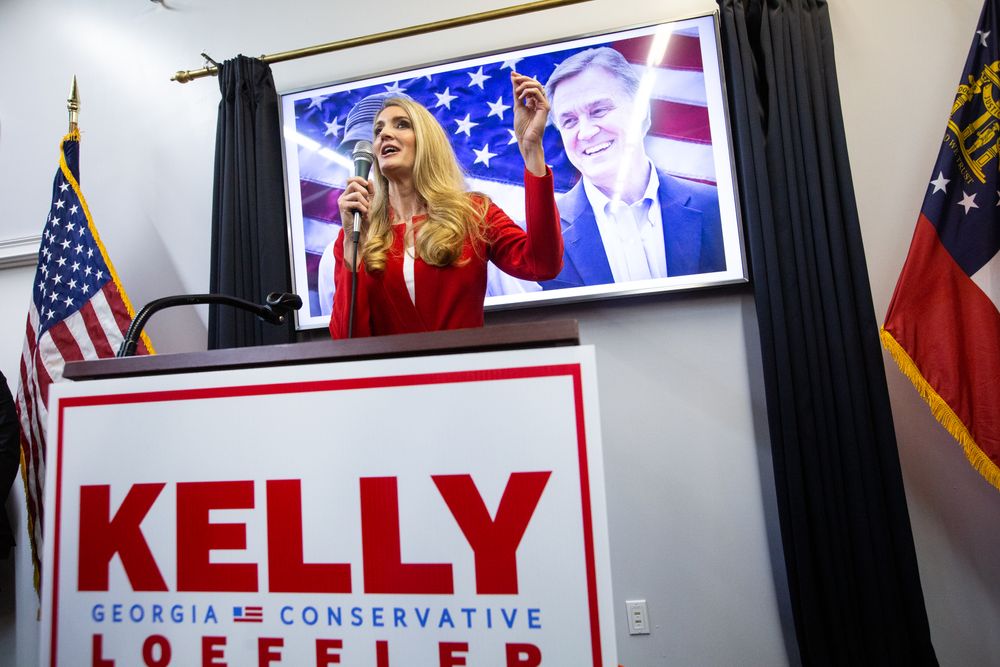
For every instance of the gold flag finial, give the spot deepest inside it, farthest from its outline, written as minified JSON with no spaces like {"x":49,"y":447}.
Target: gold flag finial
{"x":73,"y":105}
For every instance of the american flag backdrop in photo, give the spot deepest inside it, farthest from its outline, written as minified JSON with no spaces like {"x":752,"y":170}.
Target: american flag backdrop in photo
{"x":474,"y":105}
{"x":78,"y":311}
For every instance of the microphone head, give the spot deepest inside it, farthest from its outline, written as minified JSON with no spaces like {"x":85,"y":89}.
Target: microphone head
{"x":363,"y":151}
{"x":363,"y":157}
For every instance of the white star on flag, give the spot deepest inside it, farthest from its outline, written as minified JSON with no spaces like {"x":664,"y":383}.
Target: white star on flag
{"x":513,"y":137}
{"x":63,"y":187}
{"x":940,"y":182}
{"x":969,"y":202}
{"x":444,"y":99}
{"x":483,"y":155}
{"x":983,"y":36}
{"x":55,"y":222}
{"x":73,"y":209}
{"x":465,"y":125}
{"x":60,"y":203}
{"x":317,"y":102}
{"x":395,"y":89}
{"x":497,"y":108}
{"x":509,"y":64}
{"x":333,"y":127}
{"x":477,"y":78}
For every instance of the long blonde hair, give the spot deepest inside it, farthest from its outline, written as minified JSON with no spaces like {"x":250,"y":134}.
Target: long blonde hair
{"x":452,"y":215}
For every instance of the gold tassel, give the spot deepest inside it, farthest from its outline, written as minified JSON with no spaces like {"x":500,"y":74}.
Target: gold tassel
{"x":942,"y":411}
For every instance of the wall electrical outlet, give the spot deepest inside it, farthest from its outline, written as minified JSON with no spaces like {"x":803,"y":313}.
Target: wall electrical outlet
{"x":638,"y":617}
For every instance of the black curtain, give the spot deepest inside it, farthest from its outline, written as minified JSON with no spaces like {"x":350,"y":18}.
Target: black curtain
{"x":852,"y":570}
{"x":249,"y":237}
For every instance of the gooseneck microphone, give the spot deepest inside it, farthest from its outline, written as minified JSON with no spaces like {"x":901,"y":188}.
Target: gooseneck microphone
{"x":363,"y":156}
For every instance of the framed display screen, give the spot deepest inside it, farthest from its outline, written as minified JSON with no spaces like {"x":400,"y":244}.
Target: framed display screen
{"x":638,"y":142}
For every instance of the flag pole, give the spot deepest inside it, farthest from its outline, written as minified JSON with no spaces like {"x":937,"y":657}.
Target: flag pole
{"x":73,"y":106}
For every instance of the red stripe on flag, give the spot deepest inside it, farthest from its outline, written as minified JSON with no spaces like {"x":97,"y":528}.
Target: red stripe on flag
{"x":319,"y":201}
{"x":65,"y":343}
{"x":949,"y":328}
{"x":117,"y":306}
{"x":32,"y":437}
{"x":42,"y":380}
{"x":95,"y":331}
{"x":683,"y":52}
{"x":685,"y":122}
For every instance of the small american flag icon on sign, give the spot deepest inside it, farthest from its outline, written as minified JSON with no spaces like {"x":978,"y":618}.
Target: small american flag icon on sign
{"x":248,"y":614}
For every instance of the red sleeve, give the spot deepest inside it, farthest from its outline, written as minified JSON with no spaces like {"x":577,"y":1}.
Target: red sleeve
{"x":342,"y":297}
{"x":537,"y":254}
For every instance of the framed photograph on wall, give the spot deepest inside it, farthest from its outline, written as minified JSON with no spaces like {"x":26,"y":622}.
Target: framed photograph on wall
{"x":638,"y":143}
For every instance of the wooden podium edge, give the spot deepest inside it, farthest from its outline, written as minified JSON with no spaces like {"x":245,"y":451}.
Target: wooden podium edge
{"x":555,"y":333}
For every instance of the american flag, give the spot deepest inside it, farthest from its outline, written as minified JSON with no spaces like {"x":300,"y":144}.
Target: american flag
{"x":474,"y":106}
{"x":248,"y":614}
{"x":78,"y":311}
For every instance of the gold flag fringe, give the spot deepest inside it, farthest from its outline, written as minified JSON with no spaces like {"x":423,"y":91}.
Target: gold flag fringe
{"x":36,"y":568}
{"x":942,"y":411}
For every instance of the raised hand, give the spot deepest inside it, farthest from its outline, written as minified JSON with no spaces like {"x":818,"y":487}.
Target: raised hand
{"x":531,"y":111}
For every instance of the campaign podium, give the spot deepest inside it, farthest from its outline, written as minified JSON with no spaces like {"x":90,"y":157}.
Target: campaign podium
{"x":556,"y":333}
{"x":430,"y":499}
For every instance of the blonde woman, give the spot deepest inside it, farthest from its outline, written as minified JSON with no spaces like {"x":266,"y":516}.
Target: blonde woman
{"x":425,"y":241}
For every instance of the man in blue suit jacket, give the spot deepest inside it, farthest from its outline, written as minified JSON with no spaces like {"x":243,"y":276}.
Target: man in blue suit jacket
{"x":625,"y":220}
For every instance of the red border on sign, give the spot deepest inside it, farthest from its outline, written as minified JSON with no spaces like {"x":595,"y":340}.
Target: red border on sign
{"x":553,"y":370}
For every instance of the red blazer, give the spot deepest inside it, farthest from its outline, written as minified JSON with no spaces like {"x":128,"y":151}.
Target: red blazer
{"x":450,"y":297}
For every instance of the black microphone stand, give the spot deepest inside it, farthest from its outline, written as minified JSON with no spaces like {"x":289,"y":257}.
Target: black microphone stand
{"x":274,"y":310}
{"x":355,"y":236}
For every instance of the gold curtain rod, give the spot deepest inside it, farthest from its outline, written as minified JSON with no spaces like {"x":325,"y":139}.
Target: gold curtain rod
{"x":184,"y":76}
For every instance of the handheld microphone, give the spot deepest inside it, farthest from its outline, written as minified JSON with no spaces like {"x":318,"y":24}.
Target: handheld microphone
{"x":363,"y":157}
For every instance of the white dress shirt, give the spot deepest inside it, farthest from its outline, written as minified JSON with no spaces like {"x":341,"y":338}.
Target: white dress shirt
{"x":632,"y":233}
{"x":409,"y":240}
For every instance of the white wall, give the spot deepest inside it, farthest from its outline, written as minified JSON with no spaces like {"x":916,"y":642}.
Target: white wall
{"x":899,"y":64}
{"x":690,"y":494}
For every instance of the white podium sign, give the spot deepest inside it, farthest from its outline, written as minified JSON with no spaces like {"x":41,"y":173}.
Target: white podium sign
{"x":434,"y":511}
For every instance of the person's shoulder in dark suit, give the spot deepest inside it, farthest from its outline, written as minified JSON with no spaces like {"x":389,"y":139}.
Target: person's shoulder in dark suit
{"x":692,"y":233}
{"x":10,"y":457}
{"x":703,"y":198}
